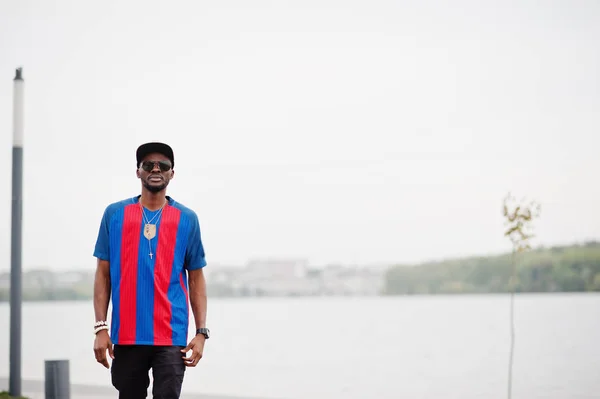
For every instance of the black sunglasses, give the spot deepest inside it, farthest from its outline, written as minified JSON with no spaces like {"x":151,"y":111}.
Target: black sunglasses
{"x":148,"y":166}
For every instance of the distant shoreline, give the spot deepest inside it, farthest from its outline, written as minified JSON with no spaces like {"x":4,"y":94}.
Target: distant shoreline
{"x":418,"y":295}
{"x":560,"y":269}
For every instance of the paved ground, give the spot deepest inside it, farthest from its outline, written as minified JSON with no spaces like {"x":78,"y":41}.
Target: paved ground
{"x":35,"y":390}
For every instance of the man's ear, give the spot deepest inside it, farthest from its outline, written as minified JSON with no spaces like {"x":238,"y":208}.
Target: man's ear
{"x":137,"y":173}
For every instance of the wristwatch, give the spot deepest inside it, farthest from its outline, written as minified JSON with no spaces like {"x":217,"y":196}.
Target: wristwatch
{"x":203,"y":331}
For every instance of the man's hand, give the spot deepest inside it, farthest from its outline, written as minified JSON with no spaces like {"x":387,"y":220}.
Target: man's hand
{"x":196,"y":345}
{"x":102,"y":343}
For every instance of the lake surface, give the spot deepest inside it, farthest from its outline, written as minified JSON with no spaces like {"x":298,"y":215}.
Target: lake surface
{"x":334,"y":348}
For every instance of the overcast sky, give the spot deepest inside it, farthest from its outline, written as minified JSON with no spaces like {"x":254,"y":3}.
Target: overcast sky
{"x":333,"y":130}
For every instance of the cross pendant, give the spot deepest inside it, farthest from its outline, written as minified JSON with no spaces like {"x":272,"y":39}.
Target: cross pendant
{"x":150,"y":255}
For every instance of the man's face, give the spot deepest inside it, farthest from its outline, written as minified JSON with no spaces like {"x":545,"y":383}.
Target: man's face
{"x":155,"y":171}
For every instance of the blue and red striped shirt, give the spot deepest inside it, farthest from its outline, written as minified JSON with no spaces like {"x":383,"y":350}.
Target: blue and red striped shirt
{"x":149,"y":292}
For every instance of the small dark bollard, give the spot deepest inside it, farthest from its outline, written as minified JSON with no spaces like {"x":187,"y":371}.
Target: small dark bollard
{"x":57,"y":379}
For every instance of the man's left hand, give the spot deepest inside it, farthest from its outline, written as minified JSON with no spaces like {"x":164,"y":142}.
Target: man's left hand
{"x":196,"y":345}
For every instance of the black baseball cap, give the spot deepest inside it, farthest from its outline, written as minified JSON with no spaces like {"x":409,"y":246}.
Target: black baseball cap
{"x":150,"y":148}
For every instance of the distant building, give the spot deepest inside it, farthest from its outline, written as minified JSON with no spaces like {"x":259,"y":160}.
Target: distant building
{"x":259,"y":277}
{"x":277,"y":268}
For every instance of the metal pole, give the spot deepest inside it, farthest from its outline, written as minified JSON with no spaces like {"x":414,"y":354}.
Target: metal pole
{"x":57,"y":384}
{"x":16,"y":289}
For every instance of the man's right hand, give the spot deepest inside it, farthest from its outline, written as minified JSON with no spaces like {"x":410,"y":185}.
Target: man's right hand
{"x":102,"y":343}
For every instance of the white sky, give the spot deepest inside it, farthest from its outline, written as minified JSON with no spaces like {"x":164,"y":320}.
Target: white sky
{"x":337,"y":130}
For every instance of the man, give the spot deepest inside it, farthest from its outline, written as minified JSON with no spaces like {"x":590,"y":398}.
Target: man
{"x":149,"y":256}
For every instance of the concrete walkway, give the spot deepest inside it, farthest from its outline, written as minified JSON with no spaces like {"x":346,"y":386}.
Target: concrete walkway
{"x":35,"y":390}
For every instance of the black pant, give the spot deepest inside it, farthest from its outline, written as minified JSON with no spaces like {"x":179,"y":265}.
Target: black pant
{"x":132,"y":363}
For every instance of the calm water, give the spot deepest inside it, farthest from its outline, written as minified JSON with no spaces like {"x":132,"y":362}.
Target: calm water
{"x":409,"y":347}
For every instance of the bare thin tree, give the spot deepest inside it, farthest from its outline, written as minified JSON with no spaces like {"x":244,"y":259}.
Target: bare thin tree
{"x":519,"y":216}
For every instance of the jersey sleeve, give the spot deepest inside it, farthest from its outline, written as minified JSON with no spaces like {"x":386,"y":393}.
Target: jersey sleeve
{"x":194,"y":256}
{"x":102,"y":248}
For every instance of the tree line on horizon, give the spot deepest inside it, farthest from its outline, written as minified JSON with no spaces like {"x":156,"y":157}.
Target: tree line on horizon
{"x":573,"y":268}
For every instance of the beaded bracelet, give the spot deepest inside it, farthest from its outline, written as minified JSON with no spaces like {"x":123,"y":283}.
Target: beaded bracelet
{"x":98,"y":329}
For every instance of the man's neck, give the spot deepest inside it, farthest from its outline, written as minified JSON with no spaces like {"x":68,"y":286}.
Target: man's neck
{"x":153,"y":201}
